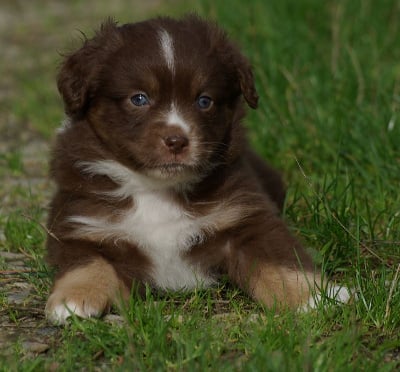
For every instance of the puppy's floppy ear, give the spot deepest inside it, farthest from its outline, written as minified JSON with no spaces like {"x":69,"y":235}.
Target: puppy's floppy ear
{"x":232,"y":57}
{"x":246,"y":81}
{"x":76,"y":77}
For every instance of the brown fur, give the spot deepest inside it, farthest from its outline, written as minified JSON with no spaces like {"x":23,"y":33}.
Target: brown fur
{"x":232,"y":196}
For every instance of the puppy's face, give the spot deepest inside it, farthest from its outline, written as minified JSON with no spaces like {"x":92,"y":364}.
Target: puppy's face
{"x":163,"y":96}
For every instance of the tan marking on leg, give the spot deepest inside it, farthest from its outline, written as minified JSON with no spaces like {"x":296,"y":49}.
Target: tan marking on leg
{"x":87,"y":291}
{"x":281,"y":286}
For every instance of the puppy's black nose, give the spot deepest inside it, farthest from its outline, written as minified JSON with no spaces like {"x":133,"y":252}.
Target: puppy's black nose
{"x":176,"y":144}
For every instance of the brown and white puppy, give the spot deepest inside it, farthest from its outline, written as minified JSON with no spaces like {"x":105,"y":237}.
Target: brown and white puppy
{"x":156,"y":182}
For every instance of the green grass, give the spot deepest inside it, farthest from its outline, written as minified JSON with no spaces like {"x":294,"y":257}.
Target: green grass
{"x":328,"y":75}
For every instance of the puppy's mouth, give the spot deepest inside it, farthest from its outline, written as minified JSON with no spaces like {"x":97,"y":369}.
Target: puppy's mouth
{"x":174,"y":170}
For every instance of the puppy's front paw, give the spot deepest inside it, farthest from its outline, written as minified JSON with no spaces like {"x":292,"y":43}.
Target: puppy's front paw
{"x":86,"y":291}
{"x":82,"y":302}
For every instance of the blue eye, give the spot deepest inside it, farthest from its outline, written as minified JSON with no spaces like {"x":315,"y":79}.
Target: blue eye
{"x":140,"y":100}
{"x":204,"y":102}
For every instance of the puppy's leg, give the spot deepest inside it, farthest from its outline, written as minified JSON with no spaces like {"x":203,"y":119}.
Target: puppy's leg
{"x":267,"y":262}
{"x":86,"y":291}
{"x":273,"y":284}
{"x":294,"y":288}
{"x":282,"y":286}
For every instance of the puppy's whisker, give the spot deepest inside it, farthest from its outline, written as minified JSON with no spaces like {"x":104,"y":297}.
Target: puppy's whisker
{"x":214,"y":144}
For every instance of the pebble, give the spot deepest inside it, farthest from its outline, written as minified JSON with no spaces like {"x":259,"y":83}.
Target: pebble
{"x":114,"y":319}
{"x":35,"y":347}
{"x":18,"y":298}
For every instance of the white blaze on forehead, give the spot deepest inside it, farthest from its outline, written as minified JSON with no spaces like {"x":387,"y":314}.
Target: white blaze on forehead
{"x":174,"y":118}
{"x":167,"y":47}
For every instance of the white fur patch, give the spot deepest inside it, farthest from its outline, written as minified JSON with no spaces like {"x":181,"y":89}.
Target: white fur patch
{"x":173,"y":118}
{"x":161,"y":229}
{"x":62,"y":312}
{"x":65,"y":124}
{"x":159,"y":226}
{"x":167,"y":47}
{"x":337,"y":293}
{"x":129,"y":180}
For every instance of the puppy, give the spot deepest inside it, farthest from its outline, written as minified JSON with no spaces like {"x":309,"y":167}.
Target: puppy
{"x":156,"y":182}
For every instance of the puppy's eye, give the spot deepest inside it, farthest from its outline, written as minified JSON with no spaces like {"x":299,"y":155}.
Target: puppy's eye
{"x":140,"y":100}
{"x":204,"y":102}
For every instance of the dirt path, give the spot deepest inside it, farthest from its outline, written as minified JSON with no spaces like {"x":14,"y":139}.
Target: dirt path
{"x":23,"y":164}
{"x":22,"y":321}
{"x":31,"y":36}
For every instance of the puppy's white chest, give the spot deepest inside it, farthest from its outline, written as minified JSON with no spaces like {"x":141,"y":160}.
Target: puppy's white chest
{"x":159,"y":224}
{"x":156,"y":224}
{"x":164,"y":232}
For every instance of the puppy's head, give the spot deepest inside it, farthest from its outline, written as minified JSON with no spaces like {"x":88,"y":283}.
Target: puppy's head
{"x":164,"y":96}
